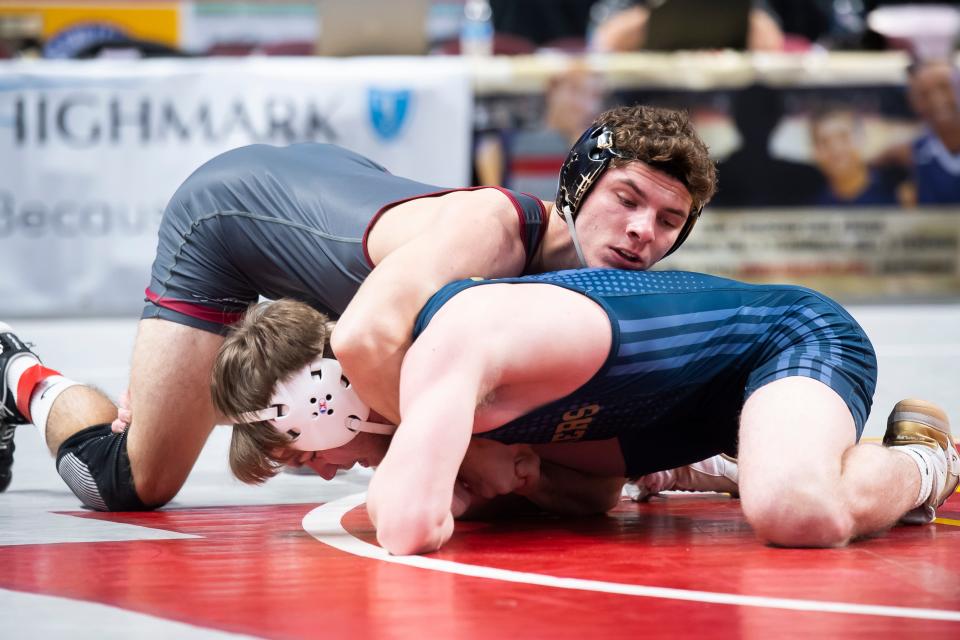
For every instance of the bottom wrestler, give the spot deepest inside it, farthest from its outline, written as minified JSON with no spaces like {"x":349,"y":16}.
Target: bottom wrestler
{"x":614,"y":374}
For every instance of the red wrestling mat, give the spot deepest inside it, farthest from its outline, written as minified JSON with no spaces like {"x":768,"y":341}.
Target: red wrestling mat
{"x":255,"y":571}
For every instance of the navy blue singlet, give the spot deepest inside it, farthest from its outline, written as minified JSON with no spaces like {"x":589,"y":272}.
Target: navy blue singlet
{"x":688,"y":349}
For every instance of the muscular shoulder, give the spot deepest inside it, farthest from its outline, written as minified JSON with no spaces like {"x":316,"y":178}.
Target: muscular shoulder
{"x":486,"y":219}
{"x":531,"y":331}
{"x":460,"y":207}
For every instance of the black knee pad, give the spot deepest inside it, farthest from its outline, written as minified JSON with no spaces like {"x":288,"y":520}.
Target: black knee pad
{"x":95,"y":465}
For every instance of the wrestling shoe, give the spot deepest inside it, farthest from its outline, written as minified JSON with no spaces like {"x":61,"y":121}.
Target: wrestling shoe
{"x":922,"y":424}
{"x":10,"y":416}
{"x":719,"y":473}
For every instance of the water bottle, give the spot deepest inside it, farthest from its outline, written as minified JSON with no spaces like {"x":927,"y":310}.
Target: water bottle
{"x":476,"y":31}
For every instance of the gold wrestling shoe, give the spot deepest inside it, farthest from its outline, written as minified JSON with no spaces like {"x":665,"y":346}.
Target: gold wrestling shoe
{"x":923,"y":424}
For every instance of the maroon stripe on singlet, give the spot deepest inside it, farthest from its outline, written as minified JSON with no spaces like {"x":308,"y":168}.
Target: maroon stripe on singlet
{"x":390,"y":205}
{"x":543,"y":225}
{"x":194,"y":310}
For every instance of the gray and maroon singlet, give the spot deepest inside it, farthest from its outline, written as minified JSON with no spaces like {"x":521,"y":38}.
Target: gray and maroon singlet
{"x":280,"y":222}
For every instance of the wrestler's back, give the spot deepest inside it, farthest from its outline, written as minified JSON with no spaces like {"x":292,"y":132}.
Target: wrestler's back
{"x":281,"y":221}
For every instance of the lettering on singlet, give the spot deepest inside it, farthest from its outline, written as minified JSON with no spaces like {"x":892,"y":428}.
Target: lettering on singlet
{"x":575,"y":423}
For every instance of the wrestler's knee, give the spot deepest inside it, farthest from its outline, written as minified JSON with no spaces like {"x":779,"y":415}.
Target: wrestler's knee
{"x":796,"y":515}
{"x":95,"y":465}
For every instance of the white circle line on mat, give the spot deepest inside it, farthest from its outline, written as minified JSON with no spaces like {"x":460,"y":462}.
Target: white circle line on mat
{"x":324,"y":524}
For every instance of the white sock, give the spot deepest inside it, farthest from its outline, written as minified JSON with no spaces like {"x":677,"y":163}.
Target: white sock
{"x":15,"y":368}
{"x":42,"y":396}
{"x":41,"y":402}
{"x":926,"y":461}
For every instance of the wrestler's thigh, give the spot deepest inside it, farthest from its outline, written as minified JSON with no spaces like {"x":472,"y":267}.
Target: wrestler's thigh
{"x":170,"y":400}
{"x":793,"y":433}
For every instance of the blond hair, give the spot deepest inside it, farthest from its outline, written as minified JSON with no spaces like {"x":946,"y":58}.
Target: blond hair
{"x":666,"y":140}
{"x":273,"y":341}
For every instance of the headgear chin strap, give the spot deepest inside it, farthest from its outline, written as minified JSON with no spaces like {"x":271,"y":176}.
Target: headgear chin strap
{"x":687,"y":228}
{"x":589,"y":157}
{"x":318,"y":408}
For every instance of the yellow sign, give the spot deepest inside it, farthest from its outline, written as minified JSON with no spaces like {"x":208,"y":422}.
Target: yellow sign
{"x":154,"y":21}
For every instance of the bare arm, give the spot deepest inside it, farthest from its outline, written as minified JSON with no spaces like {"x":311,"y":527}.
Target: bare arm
{"x":410,"y":496}
{"x":491,"y":471}
{"x":571,"y":492}
{"x":625,"y":30}
{"x":374,"y":332}
{"x":506,"y":348}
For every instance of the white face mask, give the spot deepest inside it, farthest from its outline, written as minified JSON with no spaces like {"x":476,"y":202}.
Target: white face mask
{"x":318,"y":408}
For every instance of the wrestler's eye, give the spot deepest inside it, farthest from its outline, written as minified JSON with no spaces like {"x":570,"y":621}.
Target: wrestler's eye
{"x":344,"y":382}
{"x":282,"y":410}
{"x":316,"y":374}
{"x":293,"y":433}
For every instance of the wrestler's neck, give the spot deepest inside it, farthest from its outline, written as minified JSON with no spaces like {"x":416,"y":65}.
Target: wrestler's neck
{"x":376,"y":417}
{"x":556,"y":250}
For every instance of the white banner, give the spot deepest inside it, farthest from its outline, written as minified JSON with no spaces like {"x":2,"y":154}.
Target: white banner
{"x":90,"y":152}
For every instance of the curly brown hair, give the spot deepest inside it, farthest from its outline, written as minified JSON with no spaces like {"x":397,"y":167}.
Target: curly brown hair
{"x":664,"y":139}
{"x":273,"y":341}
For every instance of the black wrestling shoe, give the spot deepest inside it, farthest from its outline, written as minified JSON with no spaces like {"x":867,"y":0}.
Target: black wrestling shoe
{"x":10,"y":416}
{"x":7,"y":431}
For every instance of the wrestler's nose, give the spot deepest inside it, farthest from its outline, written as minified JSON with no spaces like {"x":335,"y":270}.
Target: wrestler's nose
{"x":641,"y":228}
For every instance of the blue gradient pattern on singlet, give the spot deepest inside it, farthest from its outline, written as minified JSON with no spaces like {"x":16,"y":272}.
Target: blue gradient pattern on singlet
{"x":689,"y":346}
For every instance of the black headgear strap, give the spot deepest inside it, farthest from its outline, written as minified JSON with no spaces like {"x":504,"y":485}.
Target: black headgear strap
{"x":589,"y":157}
{"x":587,"y":160}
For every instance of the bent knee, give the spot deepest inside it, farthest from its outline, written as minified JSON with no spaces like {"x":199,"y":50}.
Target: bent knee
{"x":155,"y":491}
{"x":95,"y":466}
{"x":798,"y":517}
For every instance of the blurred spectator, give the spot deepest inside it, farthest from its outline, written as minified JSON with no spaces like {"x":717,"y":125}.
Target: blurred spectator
{"x":625,"y":29}
{"x":529,"y":160}
{"x":806,"y":20}
{"x":837,"y":138}
{"x":751,"y":176}
{"x":934,"y":92}
{"x":544,"y":23}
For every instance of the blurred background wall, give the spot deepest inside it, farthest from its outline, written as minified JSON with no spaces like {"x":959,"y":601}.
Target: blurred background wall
{"x":838,"y":147}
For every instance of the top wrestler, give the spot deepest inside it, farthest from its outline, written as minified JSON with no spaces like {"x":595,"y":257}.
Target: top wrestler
{"x":609,"y":373}
{"x":310,"y":222}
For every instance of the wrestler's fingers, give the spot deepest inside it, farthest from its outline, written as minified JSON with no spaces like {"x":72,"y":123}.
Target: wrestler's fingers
{"x":461,"y":499}
{"x":526,"y":469}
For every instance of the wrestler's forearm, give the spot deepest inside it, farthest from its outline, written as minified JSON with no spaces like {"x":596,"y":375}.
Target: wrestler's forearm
{"x":411,"y":494}
{"x":408,"y":502}
{"x":567,"y":491}
{"x":379,"y":386}
{"x":370,"y":346}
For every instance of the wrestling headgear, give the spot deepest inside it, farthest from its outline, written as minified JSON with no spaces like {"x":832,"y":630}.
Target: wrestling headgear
{"x":318,"y":408}
{"x":586,"y":162}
